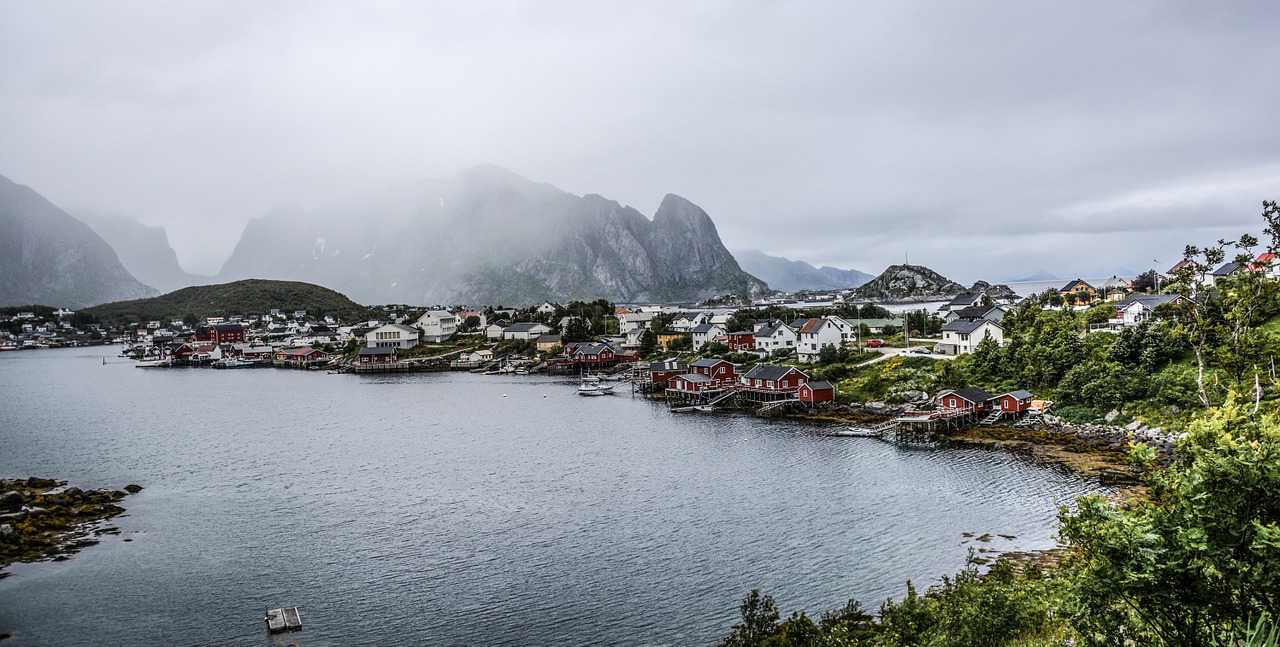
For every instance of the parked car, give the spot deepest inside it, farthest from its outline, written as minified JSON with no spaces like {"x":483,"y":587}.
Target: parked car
{"x":923,"y":350}
{"x":875,"y":343}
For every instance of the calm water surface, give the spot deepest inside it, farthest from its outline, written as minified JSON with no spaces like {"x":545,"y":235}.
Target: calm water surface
{"x":457,"y":509}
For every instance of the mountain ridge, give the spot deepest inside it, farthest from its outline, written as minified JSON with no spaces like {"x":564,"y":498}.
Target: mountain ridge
{"x":792,"y":276}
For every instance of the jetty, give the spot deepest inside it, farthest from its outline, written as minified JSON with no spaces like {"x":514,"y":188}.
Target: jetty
{"x":282,"y":620}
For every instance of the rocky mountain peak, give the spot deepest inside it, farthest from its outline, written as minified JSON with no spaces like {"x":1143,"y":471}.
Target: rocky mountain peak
{"x":909,"y":283}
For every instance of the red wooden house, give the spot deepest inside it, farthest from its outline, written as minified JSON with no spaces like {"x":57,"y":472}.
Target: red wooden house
{"x":722,"y":372}
{"x":661,"y":372}
{"x":740,"y":342}
{"x":381,"y":355}
{"x":1014,"y":401}
{"x":815,"y":392}
{"x":768,"y":379}
{"x":302,"y":357}
{"x":595,"y":355}
{"x":692,"y":383}
{"x":969,"y":400}
{"x":231,"y":333}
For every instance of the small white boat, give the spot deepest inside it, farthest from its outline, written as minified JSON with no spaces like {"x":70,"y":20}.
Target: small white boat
{"x":857,"y":432}
{"x":592,"y":386}
{"x":155,"y":363}
{"x":233,"y":362}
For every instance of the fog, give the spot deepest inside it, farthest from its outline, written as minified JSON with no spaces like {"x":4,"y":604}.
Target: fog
{"x":988,"y":139}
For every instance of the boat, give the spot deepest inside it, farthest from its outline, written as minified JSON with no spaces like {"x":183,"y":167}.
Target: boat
{"x":282,"y":620}
{"x":857,"y":432}
{"x":9,"y":346}
{"x":592,"y":386}
{"x":233,"y":362}
{"x":154,"y":363}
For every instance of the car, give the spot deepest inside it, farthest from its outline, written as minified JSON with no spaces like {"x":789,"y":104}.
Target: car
{"x":923,"y":350}
{"x":875,"y":343}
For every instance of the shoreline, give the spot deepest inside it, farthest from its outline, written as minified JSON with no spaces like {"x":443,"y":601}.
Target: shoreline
{"x":45,"y":520}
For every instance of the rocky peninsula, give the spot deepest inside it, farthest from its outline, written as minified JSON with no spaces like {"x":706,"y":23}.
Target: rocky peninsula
{"x":43,"y":519}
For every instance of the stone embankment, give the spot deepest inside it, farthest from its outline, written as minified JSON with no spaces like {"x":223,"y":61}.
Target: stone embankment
{"x":43,"y":519}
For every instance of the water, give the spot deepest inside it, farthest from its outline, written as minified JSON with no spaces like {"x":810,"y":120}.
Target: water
{"x":449,"y":509}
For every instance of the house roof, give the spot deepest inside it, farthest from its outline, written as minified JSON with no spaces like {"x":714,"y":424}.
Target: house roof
{"x":708,"y":362}
{"x":1148,"y":301}
{"x":972,"y":394}
{"x":820,"y":386}
{"x":400,"y":327}
{"x":524,"y":326}
{"x":667,"y":366}
{"x":965,"y":326}
{"x":366,"y":352}
{"x":1075,"y":285}
{"x":694,"y":377}
{"x":1178,"y":268}
{"x":548,"y":339}
{"x":975,"y":312}
{"x":1020,"y":394}
{"x":769,"y":331}
{"x":965,"y":299}
{"x":1227,"y":269}
{"x":770,"y":372}
{"x":705,"y":328}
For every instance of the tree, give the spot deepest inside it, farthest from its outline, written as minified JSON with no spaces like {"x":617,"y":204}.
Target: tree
{"x":648,"y":343}
{"x":1146,"y":282}
{"x":1201,"y":557}
{"x":759,"y":621}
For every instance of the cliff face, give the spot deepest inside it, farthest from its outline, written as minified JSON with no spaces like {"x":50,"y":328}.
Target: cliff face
{"x":49,"y":258}
{"x":909,"y":283}
{"x":490,"y":236}
{"x":144,"y":251}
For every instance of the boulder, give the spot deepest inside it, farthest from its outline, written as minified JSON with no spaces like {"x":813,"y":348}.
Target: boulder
{"x":10,"y":500}
{"x":133,"y":488}
{"x":13,"y":517}
{"x":1111,"y":415}
{"x":7,"y":533}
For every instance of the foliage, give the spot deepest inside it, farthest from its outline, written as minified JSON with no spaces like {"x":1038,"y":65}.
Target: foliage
{"x":248,"y":297}
{"x":1199,"y":558}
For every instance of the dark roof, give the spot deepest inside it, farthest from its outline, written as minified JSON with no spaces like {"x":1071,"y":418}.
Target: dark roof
{"x":668,"y":365}
{"x":968,"y":325}
{"x":708,"y":362}
{"x":366,"y":351}
{"x":1150,"y":301}
{"x":768,"y":331}
{"x":228,"y":327}
{"x":820,"y":386}
{"x":1020,"y":394}
{"x":965,"y":298}
{"x":1227,"y":269}
{"x":1075,"y":284}
{"x":694,"y":377}
{"x":770,"y":372}
{"x":704,"y":328}
{"x":549,"y":339}
{"x":974,"y":395}
{"x":524,"y":326}
{"x":974,"y":312}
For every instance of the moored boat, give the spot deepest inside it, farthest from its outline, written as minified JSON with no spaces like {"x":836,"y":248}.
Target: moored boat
{"x":593,"y":386}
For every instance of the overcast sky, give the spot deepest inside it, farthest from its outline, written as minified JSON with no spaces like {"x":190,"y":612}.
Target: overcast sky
{"x":987,"y":140}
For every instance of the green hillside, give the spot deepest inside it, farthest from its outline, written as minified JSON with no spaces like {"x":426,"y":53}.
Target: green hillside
{"x":247,"y":297}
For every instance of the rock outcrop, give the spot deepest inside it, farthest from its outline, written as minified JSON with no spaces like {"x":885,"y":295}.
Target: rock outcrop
{"x":909,"y":283}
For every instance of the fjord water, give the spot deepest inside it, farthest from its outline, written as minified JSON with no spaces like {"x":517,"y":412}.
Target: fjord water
{"x":452,"y":509}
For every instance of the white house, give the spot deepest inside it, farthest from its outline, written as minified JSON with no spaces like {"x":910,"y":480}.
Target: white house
{"x":775,"y":336}
{"x":962,"y":336}
{"x":546,"y":308}
{"x":525,"y":330}
{"x":687,"y":321}
{"x":1138,"y":308}
{"x":494,"y":330}
{"x":629,"y":321}
{"x":437,"y":325}
{"x":963,"y":300}
{"x":990,"y":313}
{"x":703,"y":334}
{"x":824,"y":331}
{"x":392,"y":336}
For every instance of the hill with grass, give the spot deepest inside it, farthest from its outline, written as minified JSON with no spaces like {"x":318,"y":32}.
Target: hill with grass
{"x":247,"y":297}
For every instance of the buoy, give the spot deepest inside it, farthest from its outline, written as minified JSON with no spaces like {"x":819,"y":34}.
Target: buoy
{"x":504,"y":395}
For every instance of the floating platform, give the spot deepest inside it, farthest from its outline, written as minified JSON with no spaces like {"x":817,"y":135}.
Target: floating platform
{"x":281,"y":620}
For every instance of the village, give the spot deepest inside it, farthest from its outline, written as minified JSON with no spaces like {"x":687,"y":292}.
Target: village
{"x":699,"y":359}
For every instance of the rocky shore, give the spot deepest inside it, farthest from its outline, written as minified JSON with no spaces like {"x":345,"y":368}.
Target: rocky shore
{"x":43,"y":519}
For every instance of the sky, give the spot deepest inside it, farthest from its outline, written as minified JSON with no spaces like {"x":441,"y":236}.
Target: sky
{"x":986,"y":140}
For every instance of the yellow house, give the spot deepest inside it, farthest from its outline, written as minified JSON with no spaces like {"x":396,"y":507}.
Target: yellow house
{"x":1084,"y":292}
{"x":665,"y":338}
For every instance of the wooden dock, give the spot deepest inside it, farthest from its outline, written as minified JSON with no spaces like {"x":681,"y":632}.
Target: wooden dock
{"x":281,"y":620}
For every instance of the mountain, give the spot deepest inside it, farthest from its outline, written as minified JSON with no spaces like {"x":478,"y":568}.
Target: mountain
{"x":490,"y":236}
{"x":909,"y":283}
{"x":48,"y":257}
{"x":793,"y":276}
{"x":249,"y":297}
{"x":143,"y":250}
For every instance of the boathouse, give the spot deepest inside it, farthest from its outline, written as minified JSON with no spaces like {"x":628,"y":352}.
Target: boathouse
{"x":721,"y":371}
{"x":816,"y":392}
{"x":301,"y":357}
{"x":661,"y":372}
{"x":690,"y":383}
{"x":968,"y":400}
{"x":383,"y":355}
{"x":1014,"y":401}
{"x":767,"y":382}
